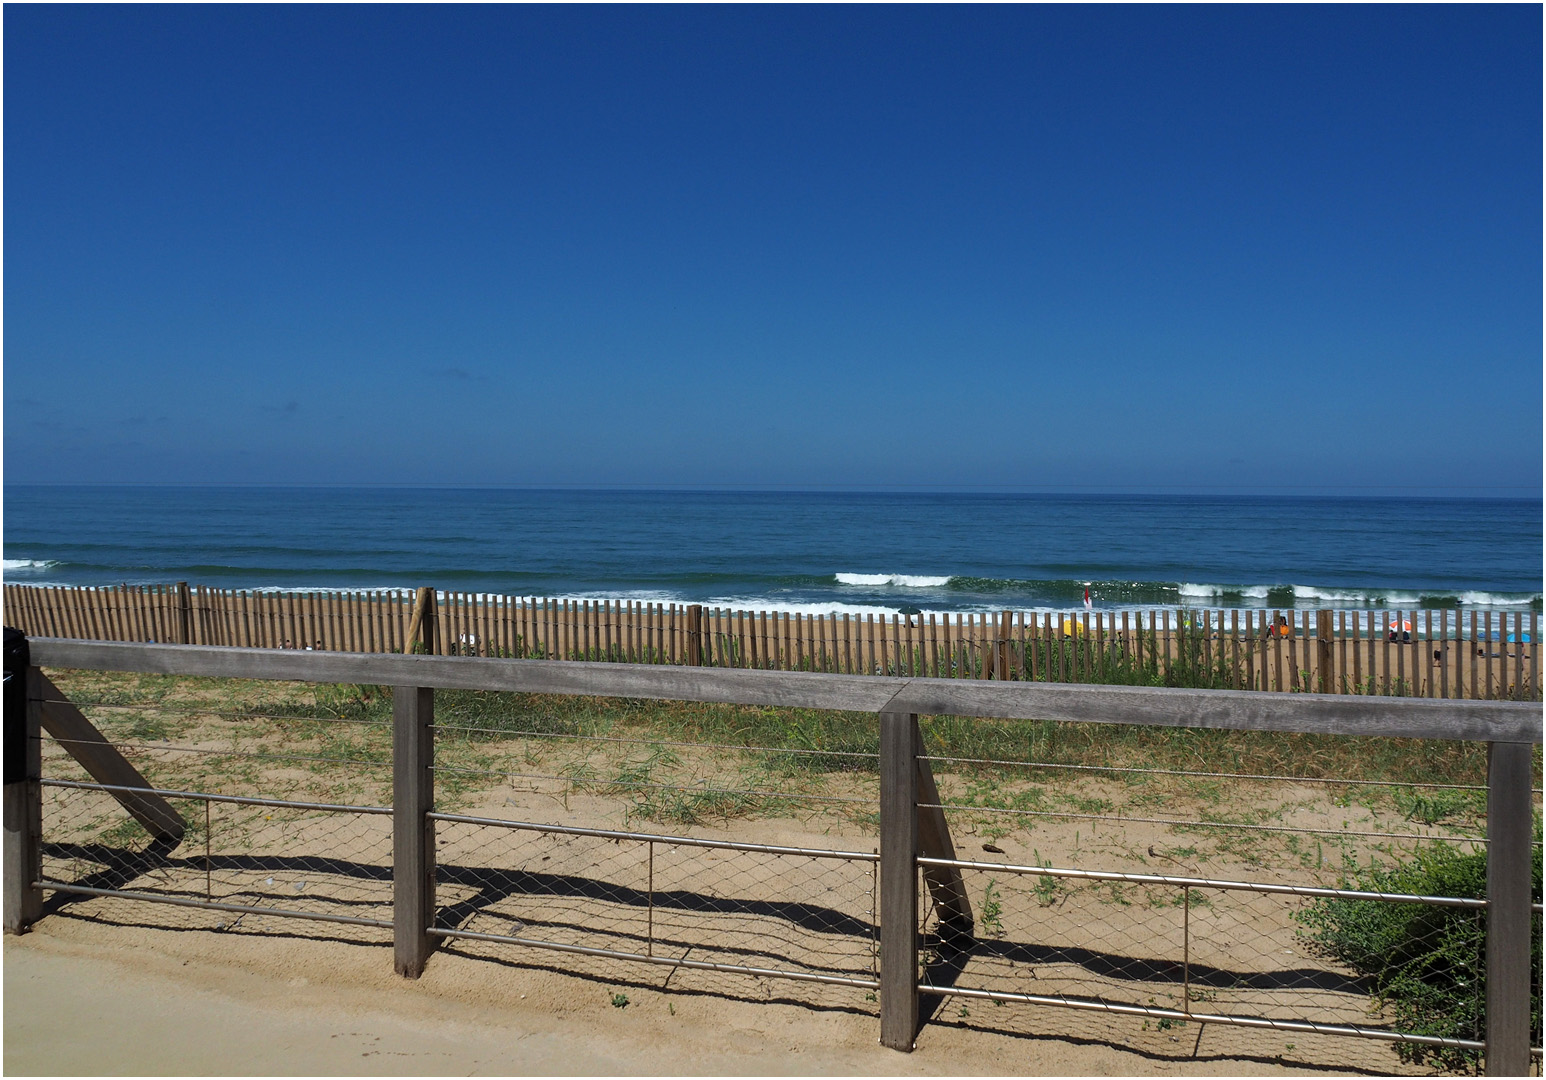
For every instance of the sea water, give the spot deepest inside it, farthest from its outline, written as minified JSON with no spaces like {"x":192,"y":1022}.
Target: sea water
{"x":807,"y":551}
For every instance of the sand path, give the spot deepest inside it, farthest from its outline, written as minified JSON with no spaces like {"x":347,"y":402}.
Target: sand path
{"x":83,"y":1001}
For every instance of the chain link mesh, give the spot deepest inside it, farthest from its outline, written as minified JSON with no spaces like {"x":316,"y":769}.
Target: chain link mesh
{"x":787,"y":913}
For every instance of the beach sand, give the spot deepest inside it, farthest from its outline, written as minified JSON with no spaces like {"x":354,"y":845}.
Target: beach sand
{"x":163,"y":1001}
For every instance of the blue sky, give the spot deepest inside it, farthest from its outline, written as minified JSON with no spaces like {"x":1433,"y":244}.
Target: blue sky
{"x":1276,"y":249}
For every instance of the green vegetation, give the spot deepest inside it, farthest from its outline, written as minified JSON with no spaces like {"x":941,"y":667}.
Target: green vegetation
{"x":1428,"y":964}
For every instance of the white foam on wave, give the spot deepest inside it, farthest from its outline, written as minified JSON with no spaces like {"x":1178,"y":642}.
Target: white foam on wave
{"x":906,"y":581}
{"x":1488,"y":599}
{"x":1343,"y":596}
{"x":1186,"y":588}
{"x":27,"y":564}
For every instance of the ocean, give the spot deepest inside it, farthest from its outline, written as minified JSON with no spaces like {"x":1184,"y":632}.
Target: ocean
{"x":815,"y":552}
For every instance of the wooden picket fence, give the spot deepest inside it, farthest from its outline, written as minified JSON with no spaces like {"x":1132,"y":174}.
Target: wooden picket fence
{"x":1427,"y":653}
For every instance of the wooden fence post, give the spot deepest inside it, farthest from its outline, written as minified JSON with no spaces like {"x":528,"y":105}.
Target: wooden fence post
{"x":184,"y":615}
{"x":898,"y":880}
{"x":413,"y":832}
{"x":424,"y":624}
{"x":23,"y":809}
{"x":1323,"y":674}
{"x":694,"y":635}
{"x":1509,"y":821}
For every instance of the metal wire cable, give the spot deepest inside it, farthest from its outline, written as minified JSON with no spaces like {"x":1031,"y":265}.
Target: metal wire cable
{"x":214,"y":712}
{"x":227,"y":753}
{"x":205,"y":796}
{"x":656,"y":742}
{"x":1210,"y":824}
{"x":1189,"y":772}
{"x":660,"y":787}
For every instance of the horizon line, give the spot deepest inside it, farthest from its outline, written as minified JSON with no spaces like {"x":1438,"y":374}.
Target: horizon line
{"x":1300,"y":490}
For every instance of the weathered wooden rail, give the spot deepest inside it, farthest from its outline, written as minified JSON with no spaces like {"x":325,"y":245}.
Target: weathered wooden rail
{"x":914,"y":835}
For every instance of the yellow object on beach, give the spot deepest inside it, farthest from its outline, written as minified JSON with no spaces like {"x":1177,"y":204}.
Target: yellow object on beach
{"x":1073,"y":628}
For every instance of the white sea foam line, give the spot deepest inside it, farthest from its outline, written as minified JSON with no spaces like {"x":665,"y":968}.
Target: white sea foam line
{"x":27,"y":564}
{"x":906,"y":581}
{"x":1186,"y":588}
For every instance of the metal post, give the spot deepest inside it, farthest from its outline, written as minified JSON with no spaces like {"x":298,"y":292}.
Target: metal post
{"x":1509,"y":961}
{"x":413,"y":832}
{"x":649,"y":947}
{"x":23,"y":810}
{"x":209,"y":891}
{"x":898,"y":880}
{"x":1186,"y":950}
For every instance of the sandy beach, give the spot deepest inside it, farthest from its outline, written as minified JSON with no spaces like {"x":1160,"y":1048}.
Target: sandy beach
{"x":165,"y":1001}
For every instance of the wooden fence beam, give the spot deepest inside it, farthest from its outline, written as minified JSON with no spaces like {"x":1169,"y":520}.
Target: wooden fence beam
{"x":80,"y":738}
{"x":1239,"y":710}
{"x":413,"y":831}
{"x":1509,"y":824}
{"x":898,"y":880}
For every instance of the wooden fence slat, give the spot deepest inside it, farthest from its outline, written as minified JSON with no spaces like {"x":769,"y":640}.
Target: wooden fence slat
{"x":97,"y":613}
{"x":1535,"y":653}
{"x":70,"y":613}
{"x":1357,"y":650}
{"x":1403,"y":638}
{"x":1375,"y":634}
{"x":1471,"y":655}
{"x":1427,"y":648}
{"x":104,"y":613}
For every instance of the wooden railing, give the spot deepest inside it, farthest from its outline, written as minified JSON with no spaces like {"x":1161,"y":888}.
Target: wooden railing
{"x":910,"y":839}
{"x":1478,"y":655}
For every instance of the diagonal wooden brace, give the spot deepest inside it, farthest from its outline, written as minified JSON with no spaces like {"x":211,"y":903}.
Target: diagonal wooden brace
{"x":944,"y":882}
{"x":102,"y":760}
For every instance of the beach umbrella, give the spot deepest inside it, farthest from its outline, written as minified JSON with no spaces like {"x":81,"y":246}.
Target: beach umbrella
{"x":909,"y":609}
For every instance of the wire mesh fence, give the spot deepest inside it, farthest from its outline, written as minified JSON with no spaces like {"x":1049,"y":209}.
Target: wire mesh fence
{"x":274,"y":784}
{"x":238,"y":857}
{"x":733,"y":850}
{"x":1284,"y":909}
{"x":697,"y":906}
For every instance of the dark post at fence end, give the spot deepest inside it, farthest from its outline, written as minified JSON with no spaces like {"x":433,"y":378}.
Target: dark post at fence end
{"x":413,"y":831}
{"x":23,"y":809}
{"x":1323,"y":675}
{"x":694,"y":635}
{"x":1509,"y":959}
{"x":184,"y":614}
{"x":898,"y":880}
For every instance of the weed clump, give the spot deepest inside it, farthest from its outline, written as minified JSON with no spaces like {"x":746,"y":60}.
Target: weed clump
{"x":1426,"y":963}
